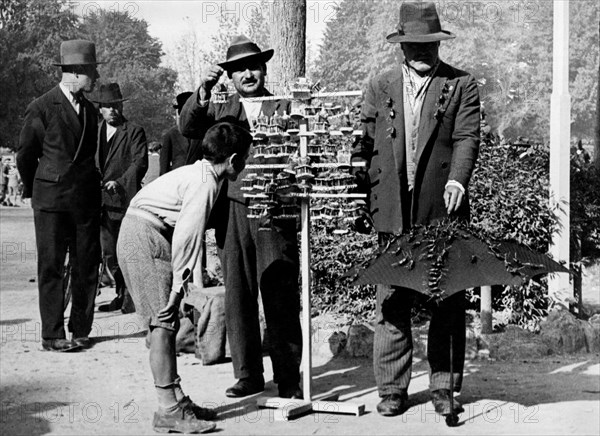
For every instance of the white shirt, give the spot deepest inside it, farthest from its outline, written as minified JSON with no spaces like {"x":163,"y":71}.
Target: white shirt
{"x":252,"y":109}
{"x":67,"y":92}
{"x":183,"y":199}
{"x":110,"y":131}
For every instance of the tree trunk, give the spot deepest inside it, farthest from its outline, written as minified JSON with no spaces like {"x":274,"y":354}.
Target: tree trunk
{"x":597,"y":130}
{"x":288,"y":39}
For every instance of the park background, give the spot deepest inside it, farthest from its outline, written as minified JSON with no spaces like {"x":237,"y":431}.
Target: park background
{"x":156,"y":49}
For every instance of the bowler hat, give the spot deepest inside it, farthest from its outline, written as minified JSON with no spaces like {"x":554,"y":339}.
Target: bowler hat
{"x":419,"y":22}
{"x":181,"y":99}
{"x":77,"y":52}
{"x":109,"y":93}
{"x":243,"y":50}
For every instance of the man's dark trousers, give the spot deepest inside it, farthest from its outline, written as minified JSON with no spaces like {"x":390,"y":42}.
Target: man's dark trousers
{"x":55,"y":231}
{"x":269,"y":258}
{"x":393,"y":347}
{"x":109,"y":233}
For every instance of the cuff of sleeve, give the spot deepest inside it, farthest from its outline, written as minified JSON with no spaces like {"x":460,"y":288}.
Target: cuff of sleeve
{"x":457,"y":184}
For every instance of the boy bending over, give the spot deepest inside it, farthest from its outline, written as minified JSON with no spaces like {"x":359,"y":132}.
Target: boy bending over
{"x":160,"y":250}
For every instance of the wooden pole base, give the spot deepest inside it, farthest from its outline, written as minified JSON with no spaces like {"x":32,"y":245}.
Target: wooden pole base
{"x":291,"y":408}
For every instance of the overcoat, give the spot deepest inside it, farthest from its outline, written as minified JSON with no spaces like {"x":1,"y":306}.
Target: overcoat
{"x":126,"y":163}
{"x":56,"y":154}
{"x":447,"y":146}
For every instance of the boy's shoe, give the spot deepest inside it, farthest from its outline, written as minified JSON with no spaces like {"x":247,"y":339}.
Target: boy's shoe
{"x":181,"y":420}
{"x":200,"y":412}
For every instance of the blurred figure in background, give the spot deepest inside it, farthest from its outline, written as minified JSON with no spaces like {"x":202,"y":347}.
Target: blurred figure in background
{"x":123,"y":161}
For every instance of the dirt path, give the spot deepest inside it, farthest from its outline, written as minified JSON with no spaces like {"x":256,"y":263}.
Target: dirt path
{"x":108,"y":389}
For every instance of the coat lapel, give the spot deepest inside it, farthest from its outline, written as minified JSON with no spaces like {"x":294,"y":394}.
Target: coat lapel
{"x":118,"y":138}
{"x":393,"y":90}
{"x":67,"y":113}
{"x":428,"y":121}
{"x":269,"y":107}
{"x":88,"y":112}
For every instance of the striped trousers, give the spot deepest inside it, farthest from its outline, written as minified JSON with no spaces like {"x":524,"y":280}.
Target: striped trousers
{"x":393,"y":346}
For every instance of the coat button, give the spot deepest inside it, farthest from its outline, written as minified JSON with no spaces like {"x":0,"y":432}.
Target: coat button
{"x":379,"y":170}
{"x":444,"y":165}
{"x":375,"y":196}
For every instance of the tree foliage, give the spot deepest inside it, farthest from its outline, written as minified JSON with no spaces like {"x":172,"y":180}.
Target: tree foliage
{"x":30,"y":36}
{"x":133,"y":59}
{"x":507,"y":46}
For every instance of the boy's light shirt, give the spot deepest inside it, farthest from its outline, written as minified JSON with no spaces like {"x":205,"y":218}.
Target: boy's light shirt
{"x":183,"y":199}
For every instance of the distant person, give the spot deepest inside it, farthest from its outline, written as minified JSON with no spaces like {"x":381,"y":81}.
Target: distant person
{"x":582,"y":154}
{"x":161,"y":240}
{"x":123,"y":161}
{"x":4,"y":167}
{"x":421,"y":135}
{"x":56,"y":159}
{"x":175,"y":146}
{"x":14,"y":181}
{"x":154,"y":149}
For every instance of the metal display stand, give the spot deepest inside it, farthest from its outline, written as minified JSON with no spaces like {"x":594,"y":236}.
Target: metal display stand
{"x":291,"y":408}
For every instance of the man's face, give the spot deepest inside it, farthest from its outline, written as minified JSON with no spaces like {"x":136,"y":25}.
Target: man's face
{"x":421,"y":56}
{"x":87,"y":77}
{"x":112,"y":113}
{"x":249,"y":79}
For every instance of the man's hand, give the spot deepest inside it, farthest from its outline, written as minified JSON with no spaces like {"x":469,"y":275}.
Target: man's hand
{"x":453,"y":198}
{"x":363,"y":223}
{"x":170,"y":313}
{"x":111,"y":187}
{"x":209,"y":80}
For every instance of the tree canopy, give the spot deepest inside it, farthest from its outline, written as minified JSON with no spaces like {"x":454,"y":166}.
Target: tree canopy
{"x":507,"y":46}
{"x":30,"y":37}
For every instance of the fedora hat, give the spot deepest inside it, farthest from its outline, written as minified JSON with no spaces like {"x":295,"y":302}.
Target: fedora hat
{"x":181,"y":99}
{"x":77,"y":52}
{"x":243,"y":50}
{"x":419,"y":22}
{"x":108,"y":94}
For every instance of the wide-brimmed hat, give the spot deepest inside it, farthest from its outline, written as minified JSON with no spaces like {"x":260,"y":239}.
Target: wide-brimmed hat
{"x":243,"y":50}
{"x":108,"y":94}
{"x":77,"y":52}
{"x":181,"y":99}
{"x":419,"y":22}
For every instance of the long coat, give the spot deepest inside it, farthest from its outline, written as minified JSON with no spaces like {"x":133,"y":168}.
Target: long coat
{"x":56,"y":154}
{"x":126,"y":163}
{"x":447,"y":148}
{"x":196,"y":120}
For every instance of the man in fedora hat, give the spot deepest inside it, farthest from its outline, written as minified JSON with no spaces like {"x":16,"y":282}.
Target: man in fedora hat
{"x":420,"y":143}
{"x":56,"y":161}
{"x":122,"y":158}
{"x":175,"y":146}
{"x":251,"y":259}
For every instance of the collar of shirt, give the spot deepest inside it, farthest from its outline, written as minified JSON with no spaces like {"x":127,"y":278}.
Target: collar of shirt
{"x":252,"y":109}
{"x":110,"y":131}
{"x":70,"y":96}
{"x":414,"y":83}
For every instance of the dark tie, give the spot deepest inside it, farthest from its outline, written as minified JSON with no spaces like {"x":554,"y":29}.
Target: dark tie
{"x":79,"y":100}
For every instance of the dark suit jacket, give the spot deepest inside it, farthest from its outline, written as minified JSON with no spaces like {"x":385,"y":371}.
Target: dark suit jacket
{"x":195,"y":121}
{"x":447,"y":147}
{"x":126,"y":163}
{"x":56,"y":154}
{"x":174,"y":151}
